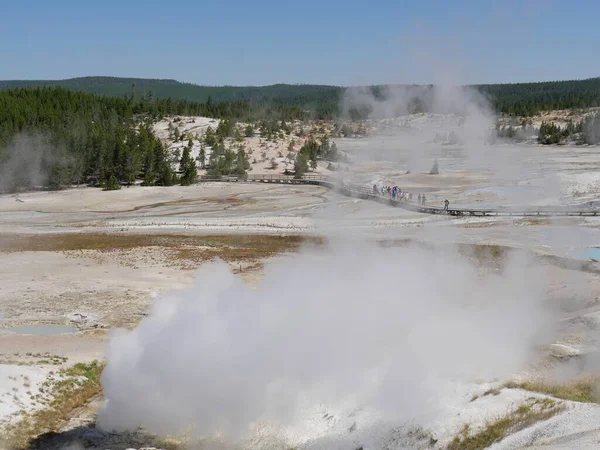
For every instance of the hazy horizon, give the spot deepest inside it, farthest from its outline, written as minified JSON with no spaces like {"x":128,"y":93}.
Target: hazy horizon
{"x":282,"y":82}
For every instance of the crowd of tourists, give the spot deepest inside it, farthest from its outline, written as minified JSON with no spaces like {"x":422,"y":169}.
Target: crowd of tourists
{"x":397,"y":194}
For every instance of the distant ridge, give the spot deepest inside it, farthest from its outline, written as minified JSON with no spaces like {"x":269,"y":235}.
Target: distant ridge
{"x":176,"y":90}
{"x":513,"y":98}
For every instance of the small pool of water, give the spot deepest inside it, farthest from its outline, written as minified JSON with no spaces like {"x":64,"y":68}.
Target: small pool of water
{"x":593,"y":253}
{"x":43,"y":328}
{"x":586,"y":253}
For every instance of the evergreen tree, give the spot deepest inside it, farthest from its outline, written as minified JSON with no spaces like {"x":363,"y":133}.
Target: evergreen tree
{"x":435,"y":170}
{"x":209,"y":137}
{"x":300,"y":165}
{"x":165,"y":175}
{"x":185,"y":159}
{"x":202,"y":156}
{"x":242,"y":163}
{"x":187,"y":166}
{"x":550,"y":133}
{"x":311,"y":151}
{"x":225,"y":129}
{"x":112,"y":184}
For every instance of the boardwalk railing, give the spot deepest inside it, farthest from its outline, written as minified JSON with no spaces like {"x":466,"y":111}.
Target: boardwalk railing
{"x":360,"y":191}
{"x":267,"y":178}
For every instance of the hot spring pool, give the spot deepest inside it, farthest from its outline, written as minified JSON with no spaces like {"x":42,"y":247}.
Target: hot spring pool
{"x":593,"y":253}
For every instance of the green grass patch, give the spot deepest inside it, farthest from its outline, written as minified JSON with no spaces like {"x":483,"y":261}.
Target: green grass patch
{"x":73,"y":388}
{"x":527,"y":414}
{"x":492,"y":391}
{"x":583,"y":390}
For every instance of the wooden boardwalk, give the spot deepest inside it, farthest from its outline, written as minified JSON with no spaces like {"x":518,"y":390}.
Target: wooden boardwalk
{"x":355,"y":190}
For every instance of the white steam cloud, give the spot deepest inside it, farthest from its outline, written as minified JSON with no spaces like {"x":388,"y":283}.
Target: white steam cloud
{"x":352,"y":326}
{"x":448,"y":110}
{"x":355,"y":330}
{"x":22,"y":163}
{"x":450,"y":123}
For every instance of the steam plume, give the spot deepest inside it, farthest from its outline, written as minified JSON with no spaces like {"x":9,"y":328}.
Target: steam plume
{"x":350,"y":327}
{"x":21,"y":163}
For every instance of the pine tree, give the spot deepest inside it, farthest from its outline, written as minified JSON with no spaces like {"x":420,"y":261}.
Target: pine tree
{"x":185,"y":159}
{"x":165,"y":176}
{"x":300,"y":165}
{"x":190,"y":174}
{"x":202,"y":156}
{"x":209,"y":137}
{"x":187,"y":167}
{"x":435,"y":169}
{"x":112,"y":184}
{"x":242,"y":163}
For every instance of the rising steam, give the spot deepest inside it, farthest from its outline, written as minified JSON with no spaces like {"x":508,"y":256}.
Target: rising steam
{"x":22,"y":163}
{"x":351,"y":327}
{"x":447,"y":121}
{"x":335,"y":343}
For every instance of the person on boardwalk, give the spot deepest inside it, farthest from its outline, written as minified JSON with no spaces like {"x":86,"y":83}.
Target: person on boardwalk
{"x":423,"y":199}
{"x":419,"y":199}
{"x":446,"y":203}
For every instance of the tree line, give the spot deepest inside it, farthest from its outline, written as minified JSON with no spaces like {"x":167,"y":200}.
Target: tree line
{"x":527,"y":99}
{"x":52,"y":137}
{"x":299,"y":101}
{"x":585,"y":132}
{"x":311,"y":152}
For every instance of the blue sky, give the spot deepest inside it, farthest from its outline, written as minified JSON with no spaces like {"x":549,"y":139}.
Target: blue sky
{"x":260,"y":42}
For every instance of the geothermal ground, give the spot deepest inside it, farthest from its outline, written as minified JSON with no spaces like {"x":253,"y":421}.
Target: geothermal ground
{"x":91,"y":260}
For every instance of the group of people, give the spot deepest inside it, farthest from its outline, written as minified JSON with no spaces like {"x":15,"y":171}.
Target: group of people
{"x":395,"y":193}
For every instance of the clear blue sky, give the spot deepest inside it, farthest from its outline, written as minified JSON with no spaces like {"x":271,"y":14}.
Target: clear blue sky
{"x":328,"y":41}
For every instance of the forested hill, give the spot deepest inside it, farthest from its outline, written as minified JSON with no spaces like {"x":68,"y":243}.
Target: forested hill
{"x":518,"y":98}
{"x":526,"y":99}
{"x":294,"y":95}
{"x":54,"y":136}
